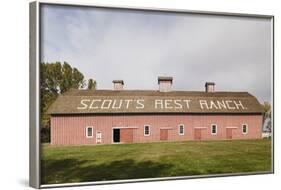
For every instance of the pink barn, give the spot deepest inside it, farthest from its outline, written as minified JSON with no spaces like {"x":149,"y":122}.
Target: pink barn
{"x":136,"y":116}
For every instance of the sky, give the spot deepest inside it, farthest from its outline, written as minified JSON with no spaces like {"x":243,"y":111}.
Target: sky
{"x":138,"y":46}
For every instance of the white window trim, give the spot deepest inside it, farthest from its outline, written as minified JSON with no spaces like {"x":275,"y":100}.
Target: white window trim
{"x":212,"y":129}
{"x":87,"y":127}
{"x":180,"y":130}
{"x":246,"y":128}
{"x":148,"y":130}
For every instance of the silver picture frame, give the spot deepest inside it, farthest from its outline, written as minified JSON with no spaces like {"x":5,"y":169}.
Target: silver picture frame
{"x":34,"y":69}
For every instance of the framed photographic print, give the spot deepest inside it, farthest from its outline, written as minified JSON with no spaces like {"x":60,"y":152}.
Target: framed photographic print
{"x":131,"y":94}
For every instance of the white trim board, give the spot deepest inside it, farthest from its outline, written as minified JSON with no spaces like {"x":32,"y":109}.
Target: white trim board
{"x":169,"y":128}
{"x":125,"y":127}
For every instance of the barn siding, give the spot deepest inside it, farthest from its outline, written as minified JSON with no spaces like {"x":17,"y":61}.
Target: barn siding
{"x":71,"y":130}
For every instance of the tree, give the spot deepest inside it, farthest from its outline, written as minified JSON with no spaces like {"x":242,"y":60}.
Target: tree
{"x":92,"y":84}
{"x":71,"y":78}
{"x":268,"y":125}
{"x":50,"y":78}
{"x":267,"y":115}
{"x":66,"y":81}
{"x":55,"y":78}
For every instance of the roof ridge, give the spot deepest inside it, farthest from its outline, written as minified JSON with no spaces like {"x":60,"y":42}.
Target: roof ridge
{"x":139,"y":90}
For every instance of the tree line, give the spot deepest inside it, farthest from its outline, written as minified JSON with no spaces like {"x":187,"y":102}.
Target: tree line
{"x":55,"y":79}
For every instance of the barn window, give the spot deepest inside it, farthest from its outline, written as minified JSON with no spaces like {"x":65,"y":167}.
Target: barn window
{"x":146,"y":130}
{"x":181,"y":129}
{"x":89,"y":132}
{"x":214,"y":129}
{"x":244,"y":128}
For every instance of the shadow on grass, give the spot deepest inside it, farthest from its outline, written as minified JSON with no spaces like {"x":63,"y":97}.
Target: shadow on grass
{"x":72,"y":170}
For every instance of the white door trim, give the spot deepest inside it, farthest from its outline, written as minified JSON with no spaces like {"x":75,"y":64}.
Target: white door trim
{"x":232,"y":127}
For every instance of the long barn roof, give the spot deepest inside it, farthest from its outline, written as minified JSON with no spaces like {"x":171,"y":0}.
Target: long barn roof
{"x":152,"y":101}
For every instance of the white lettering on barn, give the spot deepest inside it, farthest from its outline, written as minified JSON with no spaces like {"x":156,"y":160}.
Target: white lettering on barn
{"x":92,"y":104}
{"x":178,"y":104}
{"x":168,"y":104}
{"x":84,"y":105}
{"x":171,"y":104}
{"x":140,"y":104}
{"x":187,"y":103}
{"x":128,"y":103}
{"x":103,"y":105}
{"x":161,"y":104}
{"x":213,"y":105}
{"x":221,"y":105}
{"x":114,"y":104}
{"x":239,"y":105}
{"x":203,"y":103}
{"x":158,"y":102}
{"x":227,"y":105}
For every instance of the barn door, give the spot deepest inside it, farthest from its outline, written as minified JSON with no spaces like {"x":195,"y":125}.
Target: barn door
{"x":197,"y":134}
{"x":228,"y":133}
{"x":126,"y":135}
{"x":163,"y":134}
{"x":98,"y":137}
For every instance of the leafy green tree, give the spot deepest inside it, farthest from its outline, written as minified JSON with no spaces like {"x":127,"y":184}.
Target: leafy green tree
{"x":268,"y":125}
{"x":77,"y":79}
{"x":92,"y":84}
{"x":50,"y":77}
{"x":71,"y":78}
{"x":267,"y":114}
{"x":66,"y":81}
{"x":55,"y":78}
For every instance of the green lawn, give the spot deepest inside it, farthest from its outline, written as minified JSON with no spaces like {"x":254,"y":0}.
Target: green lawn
{"x":131,"y":161}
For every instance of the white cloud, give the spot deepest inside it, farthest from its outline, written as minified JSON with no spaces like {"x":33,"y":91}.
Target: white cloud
{"x":137,"y":47}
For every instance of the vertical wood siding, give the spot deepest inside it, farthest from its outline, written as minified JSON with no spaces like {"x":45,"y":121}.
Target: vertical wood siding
{"x":71,"y":130}
{"x":126,"y":135}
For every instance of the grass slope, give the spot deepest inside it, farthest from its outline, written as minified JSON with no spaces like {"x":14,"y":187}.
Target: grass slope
{"x":131,"y":161}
